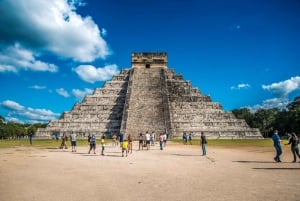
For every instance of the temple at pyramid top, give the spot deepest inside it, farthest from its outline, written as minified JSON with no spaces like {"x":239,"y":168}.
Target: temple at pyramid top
{"x":149,"y":97}
{"x":149,"y":60}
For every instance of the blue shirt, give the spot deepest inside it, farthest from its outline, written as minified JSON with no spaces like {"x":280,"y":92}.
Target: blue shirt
{"x":276,"y":139}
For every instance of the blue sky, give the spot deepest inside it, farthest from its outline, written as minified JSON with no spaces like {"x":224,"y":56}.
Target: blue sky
{"x":243,"y":53}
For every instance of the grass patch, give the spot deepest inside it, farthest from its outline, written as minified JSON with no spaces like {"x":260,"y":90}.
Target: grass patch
{"x":49,"y":143}
{"x":42,"y":143}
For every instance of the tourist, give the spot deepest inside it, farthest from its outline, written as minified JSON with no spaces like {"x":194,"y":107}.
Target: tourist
{"x":63,"y":142}
{"x":147,"y":140}
{"x":124,"y":148}
{"x":165,"y":139}
{"x":73,"y":141}
{"x":294,"y":141}
{"x":102,"y":144}
{"x":129,"y":139}
{"x":184,"y":138}
{"x":190,"y":138}
{"x":203,"y":144}
{"x":121,"y":138}
{"x":114,"y":140}
{"x":92,"y":144}
{"x":161,"y":141}
{"x":276,"y":140}
{"x":57,"y":135}
{"x":141,"y":141}
{"x":89,"y":139}
{"x":30,"y":138}
{"x":152,"y":138}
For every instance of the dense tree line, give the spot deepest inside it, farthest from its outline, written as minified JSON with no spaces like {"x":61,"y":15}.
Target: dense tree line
{"x":286,"y":121}
{"x":12,"y":130}
{"x":267,"y":120}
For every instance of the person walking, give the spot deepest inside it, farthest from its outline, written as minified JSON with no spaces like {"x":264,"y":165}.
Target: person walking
{"x":294,"y":141}
{"x":276,"y":140}
{"x":203,"y":144}
{"x":73,"y":141}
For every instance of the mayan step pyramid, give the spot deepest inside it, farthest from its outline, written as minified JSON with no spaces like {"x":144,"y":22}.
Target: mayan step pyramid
{"x":149,"y":96}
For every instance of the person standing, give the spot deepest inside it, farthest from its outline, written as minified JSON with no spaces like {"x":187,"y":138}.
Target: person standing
{"x":161,"y":141}
{"x":73,"y":141}
{"x":129,"y":139}
{"x":294,"y":141}
{"x":184,"y":138}
{"x":121,"y":138}
{"x":165,"y":139}
{"x":148,"y":138}
{"x":92,"y":144}
{"x":30,"y":138}
{"x":276,"y":140}
{"x":63,"y":142}
{"x":124,"y":148}
{"x":102,"y":145}
{"x":203,"y":144}
{"x":152,"y":138}
{"x":114,"y":140}
{"x":141,"y":141}
{"x":190,"y":138}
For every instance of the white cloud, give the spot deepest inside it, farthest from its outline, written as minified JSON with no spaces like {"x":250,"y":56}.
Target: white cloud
{"x":11,"y":105}
{"x":17,"y":111}
{"x":37,"y":87}
{"x":270,"y":103}
{"x":15,"y":58}
{"x":92,"y":74}
{"x":79,"y":94}
{"x":240,"y":86}
{"x":51,"y":26}
{"x":62,"y":92}
{"x":284,"y":88}
{"x":13,"y":119}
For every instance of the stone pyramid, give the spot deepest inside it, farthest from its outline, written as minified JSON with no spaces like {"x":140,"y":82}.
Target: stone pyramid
{"x":149,"y":97}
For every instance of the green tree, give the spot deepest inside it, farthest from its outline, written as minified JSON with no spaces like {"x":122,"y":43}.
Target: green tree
{"x":244,"y":113}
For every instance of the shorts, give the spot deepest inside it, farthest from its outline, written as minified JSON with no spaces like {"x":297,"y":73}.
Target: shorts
{"x":103,"y":148}
{"x":93,"y":145}
{"x":140,"y":141}
{"x":147,"y":141}
{"x":73,"y":143}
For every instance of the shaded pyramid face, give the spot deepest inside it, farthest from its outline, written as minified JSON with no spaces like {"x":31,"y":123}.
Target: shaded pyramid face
{"x":149,"y":97}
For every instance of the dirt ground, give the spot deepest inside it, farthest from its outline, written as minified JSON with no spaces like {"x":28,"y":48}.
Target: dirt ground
{"x":178,"y":173}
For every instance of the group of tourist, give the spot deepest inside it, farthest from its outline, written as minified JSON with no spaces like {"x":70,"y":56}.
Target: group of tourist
{"x":293,"y":141}
{"x":146,"y":140}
